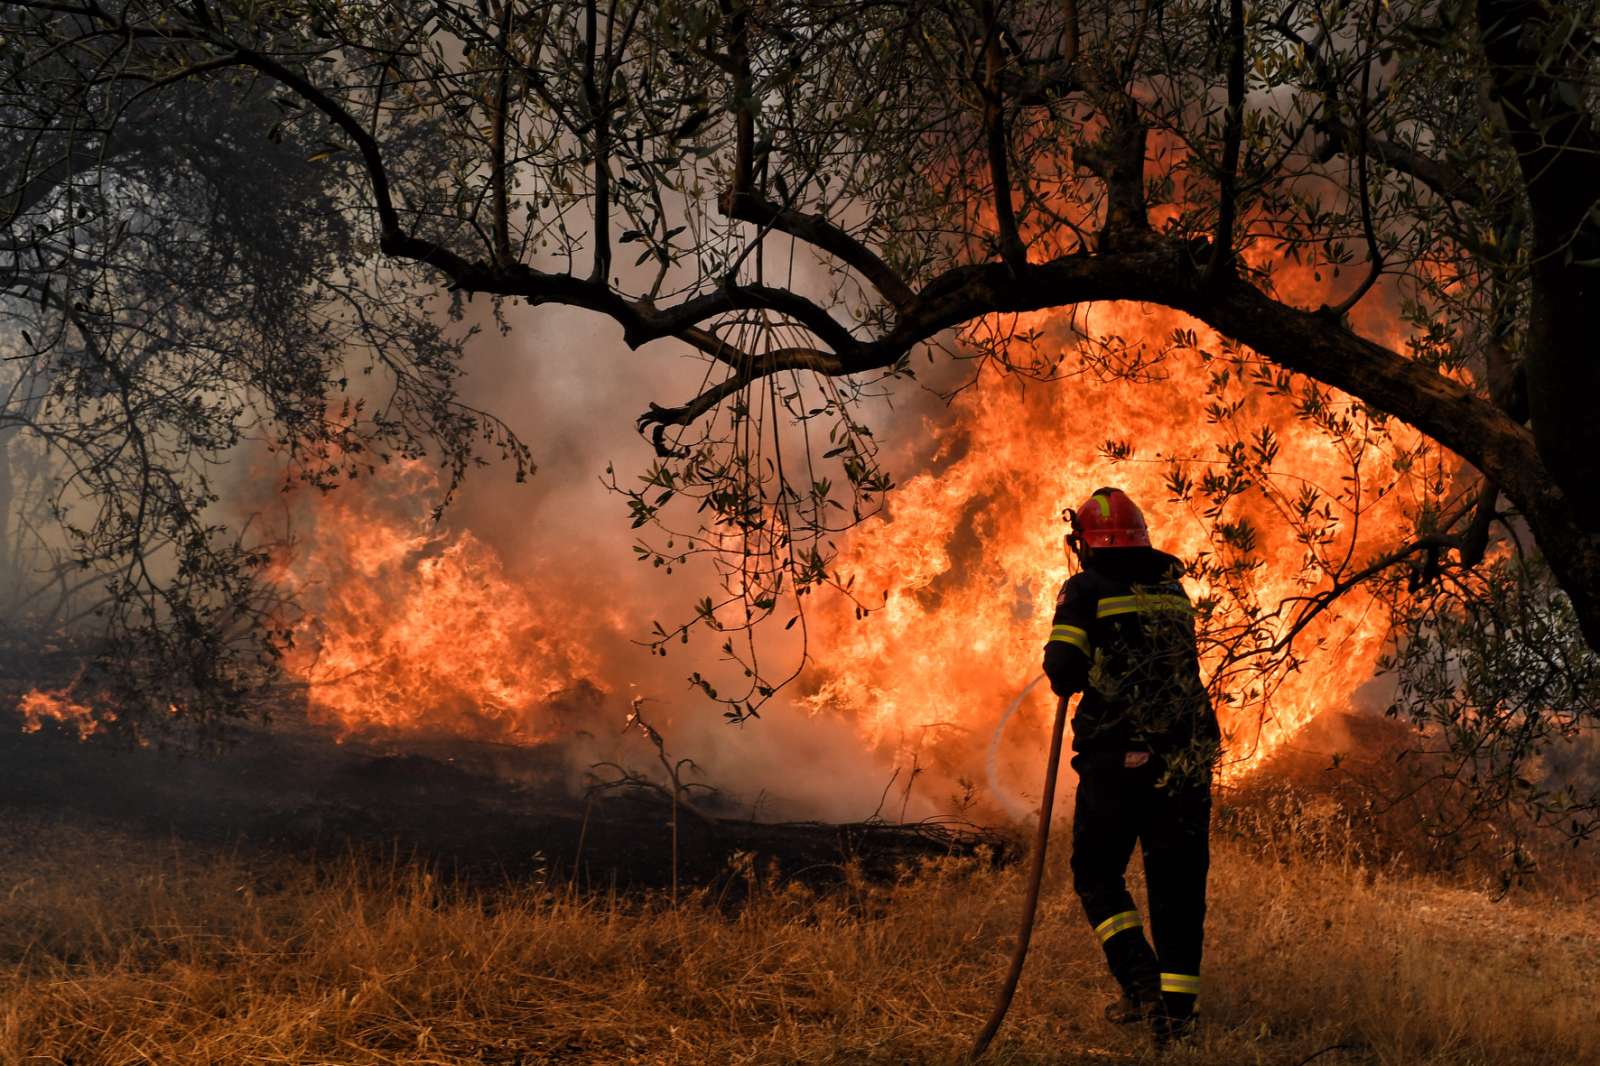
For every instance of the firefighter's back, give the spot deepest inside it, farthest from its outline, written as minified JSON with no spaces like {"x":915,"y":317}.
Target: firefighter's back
{"x":1143,"y":687}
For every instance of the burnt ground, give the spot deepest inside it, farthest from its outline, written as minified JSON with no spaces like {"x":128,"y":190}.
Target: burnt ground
{"x":478,"y":813}
{"x":485,"y":812}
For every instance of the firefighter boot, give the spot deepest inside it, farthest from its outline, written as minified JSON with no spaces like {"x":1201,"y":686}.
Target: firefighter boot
{"x":1173,"y":1023}
{"x":1131,"y":1010}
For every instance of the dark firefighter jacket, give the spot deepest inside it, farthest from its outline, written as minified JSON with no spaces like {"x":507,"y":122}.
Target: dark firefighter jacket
{"x":1123,"y":635}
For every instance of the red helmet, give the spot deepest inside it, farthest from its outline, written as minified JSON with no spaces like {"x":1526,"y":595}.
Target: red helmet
{"x":1108,"y":519}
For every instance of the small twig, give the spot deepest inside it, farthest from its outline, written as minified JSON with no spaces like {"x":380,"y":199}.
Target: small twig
{"x":1368,"y":229}
{"x":1012,"y":251}
{"x":1324,"y":1051}
{"x":583,"y":832}
{"x":874,"y":815}
{"x":916,"y":771}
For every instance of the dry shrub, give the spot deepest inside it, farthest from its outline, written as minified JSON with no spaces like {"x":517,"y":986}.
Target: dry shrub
{"x":117,"y":952}
{"x":1366,"y":790}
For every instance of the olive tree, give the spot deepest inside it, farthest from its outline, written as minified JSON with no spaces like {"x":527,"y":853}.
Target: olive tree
{"x":812,"y":196}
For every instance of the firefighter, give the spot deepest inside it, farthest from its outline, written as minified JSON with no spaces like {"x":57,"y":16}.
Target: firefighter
{"x":1144,"y":738}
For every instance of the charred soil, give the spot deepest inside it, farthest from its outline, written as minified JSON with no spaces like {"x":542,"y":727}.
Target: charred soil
{"x":477,"y":813}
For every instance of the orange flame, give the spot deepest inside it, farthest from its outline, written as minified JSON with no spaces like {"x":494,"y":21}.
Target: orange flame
{"x":970,"y":556}
{"x":38,"y":706}
{"x":410,"y":630}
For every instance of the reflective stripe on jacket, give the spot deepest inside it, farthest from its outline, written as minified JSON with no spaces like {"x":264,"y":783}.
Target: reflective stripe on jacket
{"x":1123,"y":635}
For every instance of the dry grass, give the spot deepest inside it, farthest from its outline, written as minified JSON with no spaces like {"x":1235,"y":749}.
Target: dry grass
{"x":114,"y":952}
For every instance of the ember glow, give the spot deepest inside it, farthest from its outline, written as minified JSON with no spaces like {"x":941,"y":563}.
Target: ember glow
{"x":411,"y":630}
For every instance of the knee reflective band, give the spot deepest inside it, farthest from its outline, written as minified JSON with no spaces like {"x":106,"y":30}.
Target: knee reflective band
{"x":1116,"y":924}
{"x":1181,"y":982}
{"x":1078,"y":638}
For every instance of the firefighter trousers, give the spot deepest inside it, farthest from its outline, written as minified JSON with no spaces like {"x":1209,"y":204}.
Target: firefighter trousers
{"x":1117,"y":806}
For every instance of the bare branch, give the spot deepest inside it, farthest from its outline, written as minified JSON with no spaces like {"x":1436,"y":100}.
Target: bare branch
{"x":1363,"y":185}
{"x":1444,"y":181}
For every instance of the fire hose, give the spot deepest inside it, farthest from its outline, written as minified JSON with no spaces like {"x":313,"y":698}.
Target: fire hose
{"x":1041,"y":839}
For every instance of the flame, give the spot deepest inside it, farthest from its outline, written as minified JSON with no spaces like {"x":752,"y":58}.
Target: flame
{"x":56,"y":705}
{"x":412,"y":630}
{"x":970,"y":556}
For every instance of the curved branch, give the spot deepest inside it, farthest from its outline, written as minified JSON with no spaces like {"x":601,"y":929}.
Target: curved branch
{"x":819,"y":232}
{"x":1375,"y":260}
{"x":747,"y":370}
{"x":1440,"y":178}
{"x":1132,"y":264}
{"x":1443,"y":180}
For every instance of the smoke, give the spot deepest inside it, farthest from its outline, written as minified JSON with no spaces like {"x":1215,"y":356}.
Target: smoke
{"x":899,"y":710}
{"x":543,"y":577}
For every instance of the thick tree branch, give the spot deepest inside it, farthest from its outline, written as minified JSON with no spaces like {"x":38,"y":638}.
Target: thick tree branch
{"x":1130,"y":263}
{"x":1300,"y":340}
{"x":823,"y":234}
{"x":1232,"y":136}
{"x":1012,"y":251}
{"x":1538,"y":74}
{"x":1118,"y":159}
{"x":599,"y":119}
{"x":1440,"y":178}
{"x":1308,"y":343}
{"x":744,"y":99}
{"x":497,"y":174}
{"x":28,"y":187}
{"x":1039,"y":84}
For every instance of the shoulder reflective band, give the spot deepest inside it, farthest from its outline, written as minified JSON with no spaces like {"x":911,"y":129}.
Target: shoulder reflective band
{"x":1181,"y":982}
{"x":1078,"y":638}
{"x":1115,"y":605}
{"x":1116,"y":924}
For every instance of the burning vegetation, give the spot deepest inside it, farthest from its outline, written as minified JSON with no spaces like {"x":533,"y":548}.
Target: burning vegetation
{"x":407,"y":630}
{"x":38,"y":707}
{"x":402,"y":628}
{"x":1315,"y":283}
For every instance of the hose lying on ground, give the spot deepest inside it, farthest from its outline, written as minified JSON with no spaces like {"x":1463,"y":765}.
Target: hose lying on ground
{"x":1035,"y":877}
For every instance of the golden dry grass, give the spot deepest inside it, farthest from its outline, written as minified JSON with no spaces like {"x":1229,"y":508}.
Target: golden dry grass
{"x":114,"y":951}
